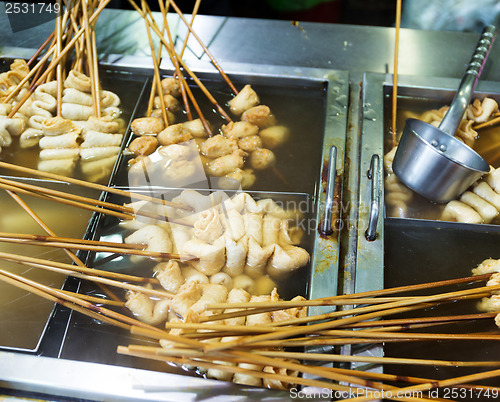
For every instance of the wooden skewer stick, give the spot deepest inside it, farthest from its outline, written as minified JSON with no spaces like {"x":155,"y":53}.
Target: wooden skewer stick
{"x":239,"y":356}
{"x":395,"y":75}
{"x":412,"y":335}
{"x":131,"y":351}
{"x":94,"y":186}
{"x":42,"y":290}
{"x":59,"y":65}
{"x":61,"y":194}
{"x":24,"y":236}
{"x":185,"y":87}
{"x":40,"y":49}
{"x":67,"y":202}
{"x":31,"y":73}
{"x":339,"y":333}
{"x":216,"y":65}
{"x":436,"y":384}
{"x":93,"y":299}
{"x":171,"y":51}
{"x":100,"y":249}
{"x":32,"y":261}
{"x":410,"y":321}
{"x":489,"y":123}
{"x":411,"y":288}
{"x":284,"y":304}
{"x":62,"y":301}
{"x":193,"y":16}
{"x":88,"y":45}
{"x":408,"y":379}
{"x":96,"y":82}
{"x":44,"y":226}
{"x":205,"y":90}
{"x":195,"y":78}
{"x":154,"y":82}
{"x":55,"y":61}
{"x":155,"y":66}
{"x":105,"y":281}
{"x":348,"y":320}
{"x":201,"y":360}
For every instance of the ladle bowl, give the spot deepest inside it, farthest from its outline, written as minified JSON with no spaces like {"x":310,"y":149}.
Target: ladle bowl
{"x":439,"y":167}
{"x":431,"y":160}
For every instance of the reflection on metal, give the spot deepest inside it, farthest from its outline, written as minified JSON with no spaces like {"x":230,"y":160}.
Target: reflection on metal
{"x":326,"y":223}
{"x":374,"y":175}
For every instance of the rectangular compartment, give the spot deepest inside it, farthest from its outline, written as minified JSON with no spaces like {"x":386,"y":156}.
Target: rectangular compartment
{"x":418,"y":248}
{"x":415,"y":95}
{"x":89,"y":346}
{"x":97,"y":342}
{"x":297,"y":103}
{"x":27,"y":314}
{"x":446,"y":251}
{"x":128,"y":85}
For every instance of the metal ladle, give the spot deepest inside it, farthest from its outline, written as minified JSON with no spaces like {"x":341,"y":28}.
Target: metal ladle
{"x":430,"y":160}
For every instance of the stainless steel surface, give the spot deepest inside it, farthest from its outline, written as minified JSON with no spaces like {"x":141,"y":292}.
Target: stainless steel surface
{"x":430,"y":160}
{"x":374,"y":175}
{"x":326,"y":222}
{"x":356,"y":49}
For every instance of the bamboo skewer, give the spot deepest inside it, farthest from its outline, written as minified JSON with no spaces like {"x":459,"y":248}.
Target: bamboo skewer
{"x":333,"y":324}
{"x":88,"y":45}
{"x":42,"y":290}
{"x":44,"y":226}
{"x":30,"y":189}
{"x":489,"y":123}
{"x":55,"y":60}
{"x":212,"y":59}
{"x":180,"y":76}
{"x":59,"y":65}
{"x":62,"y":301}
{"x":395,"y":74}
{"x":395,"y":378}
{"x":41,"y":238}
{"x":94,"y":299}
{"x":102,"y":249}
{"x":67,"y":202}
{"x":155,"y":67}
{"x":193,"y":16}
{"x":437,"y":384}
{"x":94,"y":186}
{"x":37,"y":262}
{"x":40,"y":49}
{"x":410,"y":321}
{"x":377,"y":334}
{"x":195,"y":78}
{"x":96,"y":82}
{"x":132,"y":351}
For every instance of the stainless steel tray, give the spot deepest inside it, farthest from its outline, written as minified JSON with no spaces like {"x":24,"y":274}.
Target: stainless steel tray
{"x":129,"y":383}
{"x":409,"y":251}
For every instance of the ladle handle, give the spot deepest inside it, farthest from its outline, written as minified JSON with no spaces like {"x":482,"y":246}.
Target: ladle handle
{"x":455,"y":113}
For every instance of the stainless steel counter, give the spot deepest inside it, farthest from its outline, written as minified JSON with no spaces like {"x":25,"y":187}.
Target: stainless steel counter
{"x":355,"y":49}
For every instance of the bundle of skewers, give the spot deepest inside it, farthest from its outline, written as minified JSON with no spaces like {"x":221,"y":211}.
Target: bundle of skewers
{"x":54,"y":102}
{"x":232,"y":154}
{"x":247,"y":339}
{"x":253,"y":340}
